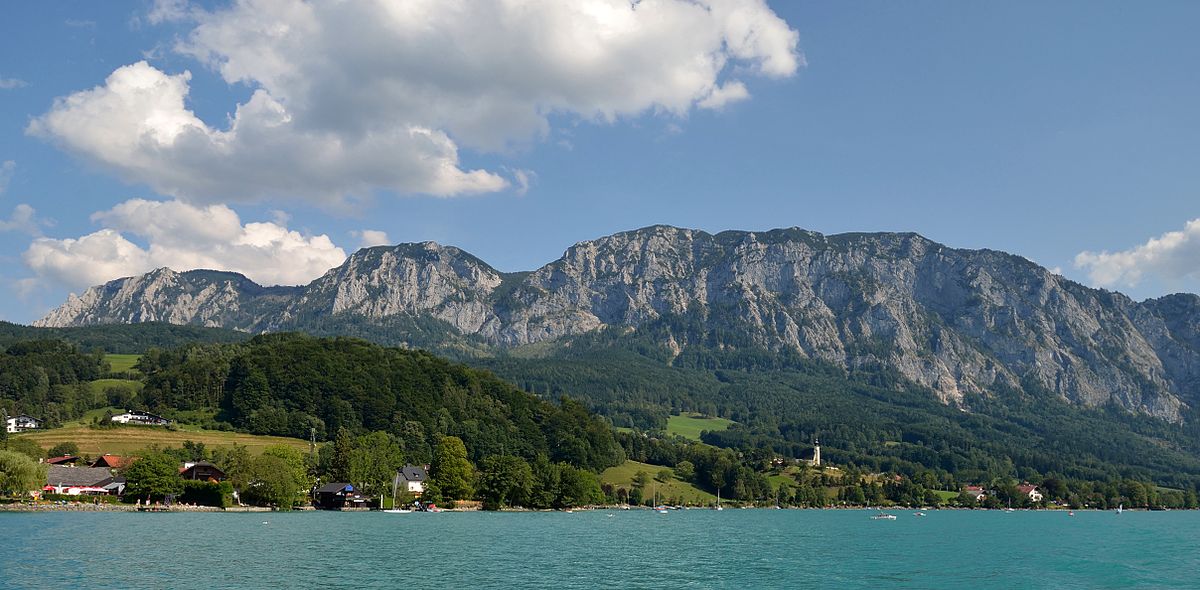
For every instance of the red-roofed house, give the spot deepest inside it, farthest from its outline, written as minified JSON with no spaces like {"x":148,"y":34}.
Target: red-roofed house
{"x":112,"y":461}
{"x":976,"y":492}
{"x":1030,"y":491}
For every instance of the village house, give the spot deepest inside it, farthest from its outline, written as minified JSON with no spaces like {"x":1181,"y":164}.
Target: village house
{"x":15,"y":424}
{"x":976,"y":492}
{"x":112,"y":461}
{"x":1031,"y":492}
{"x":141,"y":419}
{"x":411,"y":479}
{"x":75,"y":481}
{"x":338,"y":496}
{"x":201,"y":471}
{"x":63,"y":460}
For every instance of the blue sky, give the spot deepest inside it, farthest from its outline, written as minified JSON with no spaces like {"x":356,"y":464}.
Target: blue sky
{"x":1064,"y":133}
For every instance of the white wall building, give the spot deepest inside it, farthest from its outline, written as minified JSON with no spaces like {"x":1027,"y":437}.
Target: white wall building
{"x":21,"y":423}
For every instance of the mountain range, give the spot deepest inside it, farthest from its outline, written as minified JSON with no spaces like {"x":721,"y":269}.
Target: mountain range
{"x":959,"y":322}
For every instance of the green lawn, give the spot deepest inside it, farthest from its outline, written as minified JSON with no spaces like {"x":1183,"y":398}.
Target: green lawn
{"x":691,"y":425}
{"x":946,"y":495}
{"x":101,"y":385}
{"x":122,"y":362}
{"x":781,"y":481}
{"x":672,"y":491}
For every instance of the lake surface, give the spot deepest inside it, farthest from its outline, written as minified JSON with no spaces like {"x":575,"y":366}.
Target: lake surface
{"x":631,"y":549}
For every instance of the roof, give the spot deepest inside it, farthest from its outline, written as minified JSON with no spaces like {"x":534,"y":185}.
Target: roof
{"x":191,"y":466}
{"x":76,"y":476}
{"x":333,"y":488}
{"x":973,"y":488}
{"x":1025,"y":489}
{"x":62,"y":459}
{"x":412,"y":473}
{"x":107,"y":460}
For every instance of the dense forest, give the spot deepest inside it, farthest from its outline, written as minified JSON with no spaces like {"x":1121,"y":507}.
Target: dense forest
{"x":870,"y":418}
{"x":49,"y":379}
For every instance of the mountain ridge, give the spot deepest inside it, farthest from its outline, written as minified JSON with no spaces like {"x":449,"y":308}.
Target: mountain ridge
{"x":957,"y":321}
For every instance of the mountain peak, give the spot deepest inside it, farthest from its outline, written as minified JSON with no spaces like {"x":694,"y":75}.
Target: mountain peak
{"x":961,"y":322}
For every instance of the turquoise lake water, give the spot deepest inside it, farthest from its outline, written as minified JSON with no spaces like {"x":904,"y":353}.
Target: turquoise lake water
{"x":631,"y":549}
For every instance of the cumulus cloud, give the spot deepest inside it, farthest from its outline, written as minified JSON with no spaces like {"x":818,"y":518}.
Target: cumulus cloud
{"x":183,"y":237}
{"x":1172,"y":256}
{"x":23,"y":219}
{"x":352,"y":97}
{"x":372,"y":237}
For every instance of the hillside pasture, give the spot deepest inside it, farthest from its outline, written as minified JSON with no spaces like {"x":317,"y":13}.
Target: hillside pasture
{"x":672,"y":490}
{"x":690,"y":426}
{"x":123,"y":440}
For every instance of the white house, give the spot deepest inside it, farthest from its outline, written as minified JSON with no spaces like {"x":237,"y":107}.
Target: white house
{"x":21,"y":423}
{"x":141,"y":418}
{"x":411,"y":479}
{"x":1030,"y":491}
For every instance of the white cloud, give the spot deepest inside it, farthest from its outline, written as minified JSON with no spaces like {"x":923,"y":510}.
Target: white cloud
{"x":6,"y":173}
{"x":353,"y":97}
{"x":372,"y":237}
{"x":182,"y":237}
{"x":1172,"y":256}
{"x":11,"y":83}
{"x":163,"y":11}
{"x":23,"y":219}
{"x":726,"y":94}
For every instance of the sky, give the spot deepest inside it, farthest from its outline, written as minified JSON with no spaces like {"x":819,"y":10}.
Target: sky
{"x":275,"y":137}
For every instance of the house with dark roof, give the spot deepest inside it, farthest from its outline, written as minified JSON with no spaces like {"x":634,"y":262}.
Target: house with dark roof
{"x":140,"y":418}
{"x":63,"y":460}
{"x":21,"y":423}
{"x":338,"y":496}
{"x":201,"y":471}
{"x":75,"y":481}
{"x":410,"y":479}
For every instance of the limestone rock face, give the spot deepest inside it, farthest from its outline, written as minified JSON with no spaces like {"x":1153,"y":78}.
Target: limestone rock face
{"x":958,"y":321}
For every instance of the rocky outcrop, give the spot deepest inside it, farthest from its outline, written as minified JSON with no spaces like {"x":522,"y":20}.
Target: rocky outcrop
{"x":958,"y":321}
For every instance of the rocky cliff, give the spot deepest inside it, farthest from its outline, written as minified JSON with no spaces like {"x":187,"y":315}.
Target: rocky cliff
{"x":957,"y":321}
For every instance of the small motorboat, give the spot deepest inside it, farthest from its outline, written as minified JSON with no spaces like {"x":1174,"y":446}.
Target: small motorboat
{"x":883,"y":516}
{"x":919,"y":513}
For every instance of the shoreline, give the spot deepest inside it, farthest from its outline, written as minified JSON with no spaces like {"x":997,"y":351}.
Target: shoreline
{"x":87,"y":507}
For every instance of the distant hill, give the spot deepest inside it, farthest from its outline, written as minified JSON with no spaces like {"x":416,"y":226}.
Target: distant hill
{"x":122,"y":338}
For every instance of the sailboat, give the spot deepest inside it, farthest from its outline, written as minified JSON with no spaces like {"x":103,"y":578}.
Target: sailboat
{"x":883,"y":516}
{"x":657,"y":508}
{"x":718,"y":500}
{"x":395,"y":510}
{"x":1120,"y":507}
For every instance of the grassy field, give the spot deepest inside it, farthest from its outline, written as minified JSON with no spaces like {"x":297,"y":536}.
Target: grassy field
{"x":123,"y":440}
{"x":946,"y":495}
{"x":101,"y":385}
{"x":691,"y":425}
{"x":122,"y":362}
{"x":674,"y":490}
